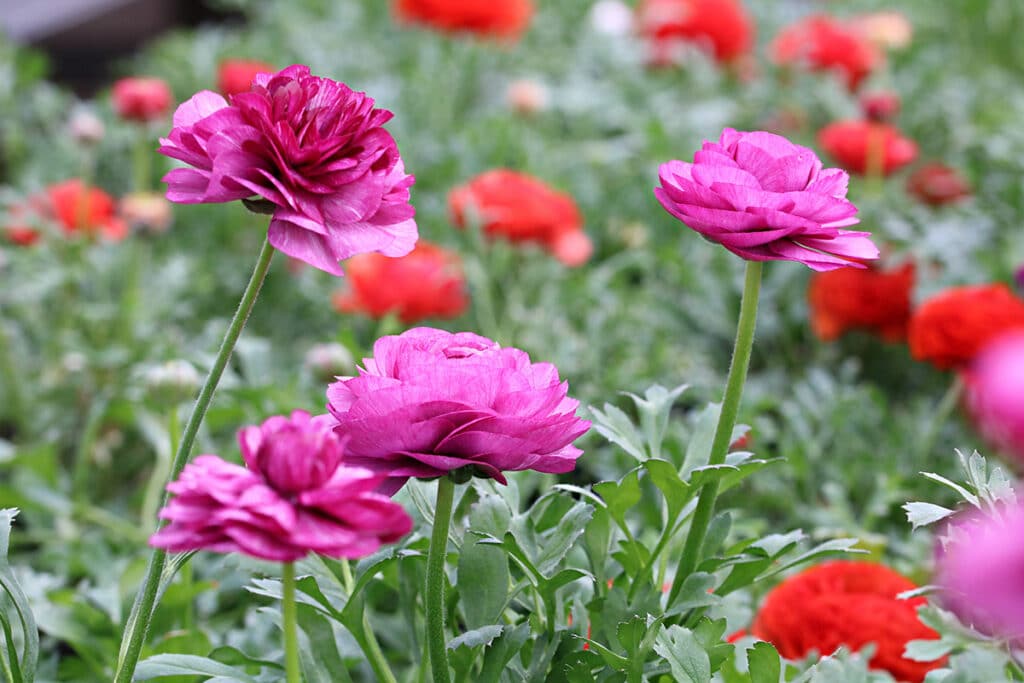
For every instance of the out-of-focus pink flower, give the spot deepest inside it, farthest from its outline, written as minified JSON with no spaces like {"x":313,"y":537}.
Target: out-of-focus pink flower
{"x":526,"y":96}
{"x":141,"y":98}
{"x":881,"y":106}
{"x":294,"y":496}
{"x":823,"y":43}
{"x":236,"y":75}
{"x":863,"y":146}
{"x":146,"y":211}
{"x":313,"y":150}
{"x":979,"y":566}
{"x":886,"y":30}
{"x":722,"y":27}
{"x":85,"y":127}
{"x":995,"y":392}
{"x":938,"y":184}
{"x":611,"y":17}
{"x":430,"y":402}
{"x":766,"y":199}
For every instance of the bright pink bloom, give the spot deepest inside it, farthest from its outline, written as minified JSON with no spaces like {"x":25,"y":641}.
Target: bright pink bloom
{"x":995,"y":392}
{"x":141,"y":99}
{"x":313,"y":150}
{"x":431,"y":401}
{"x":766,"y":199}
{"x":296,"y":495}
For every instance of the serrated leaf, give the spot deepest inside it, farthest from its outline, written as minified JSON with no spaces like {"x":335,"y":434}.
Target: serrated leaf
{"x":614,"y":425}
{"x":620,"y":496}
{"x":927,"y":650}
{"x":922,"y":514}
{"x":477,"y":637}
{"x":764,"y":663}
{"x":684,"y":654}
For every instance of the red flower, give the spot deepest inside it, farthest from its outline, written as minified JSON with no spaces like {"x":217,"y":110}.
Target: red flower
{"x":823,"y":43}
{"x":951,"y":328}
{"x":72,"y":209}
{"x":723,"y":27}
{"x":522,"y":208}
{"x":496,"y":18}
{"x":846,"y":603}
{"x":18,"y":229}
{"x":235,"y":75}
{"x":141,"y":99}
{"x":425,"y":283}
{"x":858,"y":146}
{"x":937,"y":184}
{"x":880,"y":106}
{"x":869,"y":299}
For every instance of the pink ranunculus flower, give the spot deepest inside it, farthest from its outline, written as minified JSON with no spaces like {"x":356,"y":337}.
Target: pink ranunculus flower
{"x":766,"y":199}
{"x":313,"y":150}
{"x":429,"y":402}
{"x":995,"y":392}
{"x":296,"y":495}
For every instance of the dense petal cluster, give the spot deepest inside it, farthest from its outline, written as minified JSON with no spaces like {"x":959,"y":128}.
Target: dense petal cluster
{"x":312,"y":149}
{"x":521,"y":208}
{"x":722,"y":27}
{"x":237,"y":75}
{"x":141,"y":99}
{"x":872,"y":299}
{"x":426,"y":282}
{"x":951,"y":328}
{"x":495,"y":18}
{"x":430,"y":402}
{"x":867,"y":146}
{"x":296,"y":495}
{"x":995,"y":393}
{"x":847,"y":604}
{"x":766,"y":199}
{"x":823,"y":43}
{"x":937,"y":184}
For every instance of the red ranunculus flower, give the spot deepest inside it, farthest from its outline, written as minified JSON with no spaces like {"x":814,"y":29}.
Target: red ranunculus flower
{"x":951,"y":328}
{"x":846,"y":603}
{"x":141,"y":99}
{"x":495,"y":18}
{"x":723,"y":27}
{"x":18,"y":229}
{"x":872,"y":299}
{"x":938,"y":184}
{"x":823,"y":43}
{"x":236,"y":75}
{"x":426,"y":282}
{"x":522,"y":208}
{"x":90,"y":211}
{"x":858,"y":146}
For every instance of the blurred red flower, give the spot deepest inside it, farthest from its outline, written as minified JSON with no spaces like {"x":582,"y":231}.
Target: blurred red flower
{"x":18,"y":229}
{"x":846,"y":603}
{"x":951,"y":328}
{"x":881,"y":106}
{"x":235,"y":75}
{"x":141,"y":98}
{"x":82,"y":210}
{"x":859,"y":145}
{"x":937,"y":184}
{"x":425,"y":283}
{"x":722,"y":27}
{"x":521,"y":208}
{"x":872,"y":299}
{"x":823,"y":43}
{"x":495,"y":18}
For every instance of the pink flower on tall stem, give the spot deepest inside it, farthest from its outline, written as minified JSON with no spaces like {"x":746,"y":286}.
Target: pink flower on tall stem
{"x":430,"y":402}
{"x":296,"y":495}
{"x":316,"y":154}
{"x":766,"y":199}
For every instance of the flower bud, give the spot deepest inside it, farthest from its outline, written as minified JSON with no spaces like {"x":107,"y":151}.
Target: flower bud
{"x":85,"y":127}
{"x":526,"y":96}
{"x":173,"y":381}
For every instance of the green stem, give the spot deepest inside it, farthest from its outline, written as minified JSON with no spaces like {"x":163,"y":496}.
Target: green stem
{"x":145,"y":601}
{"x":142,"y":160}
{"x":723,"y":432}
{"x":289,"y":624}
{"x":435,"y":580}
{"x":366,"y":638}
{"x":942,"y":412}
{"x":10,"y":382}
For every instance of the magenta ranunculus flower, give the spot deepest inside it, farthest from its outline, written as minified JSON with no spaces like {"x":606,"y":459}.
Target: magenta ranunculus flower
{"x":296,"y":495}
{"x":430,"y":402}
{"x":766,"y":199}
{"x":313,"y":150}
{"x":995,"y":392}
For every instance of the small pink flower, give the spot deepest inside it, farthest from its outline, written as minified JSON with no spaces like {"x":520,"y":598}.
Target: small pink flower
{"x":294,"y":496}
{"x":313,"y":150}
{"x":141,"y":99}
{"x":766,"y":199}
{"x":995,"y":392}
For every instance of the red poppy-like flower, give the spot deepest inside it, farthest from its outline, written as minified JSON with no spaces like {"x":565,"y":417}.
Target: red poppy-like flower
{"x":951,"y":328}
{"x":938,"y":184}
{"x":18,"y":229}
{"x":862,"y":146}
{"x":722,"y":27}
{"x":86,"y":210}
{"x":236,"y":75}
{"x":494,"y":18}
{"x":522,"y":208}
{"x":426,"y":282}
{"x":871,"y":299}
{"x":823,"y":43}
{"x":141,"y":99}
{"x":846,"y":603}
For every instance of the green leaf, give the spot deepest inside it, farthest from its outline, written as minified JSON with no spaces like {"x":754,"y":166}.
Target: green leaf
{"x":556,"y":543}
{"x":483,"y":579}
{"x":501,"y":651}
{"x":26,"y":663}
{"x":477,"y":637}
{"x":620,"y":496}
{"x":698,"y":450}
{"x":696,"y":592}
{"x":927,"y":650}
{"x":615,"y":425}
{"x":676,"y":491}
{"x":763,"y":663}
{"x":684,"y":654}
{"x":923,"y":514}
{"x":160,"y":666}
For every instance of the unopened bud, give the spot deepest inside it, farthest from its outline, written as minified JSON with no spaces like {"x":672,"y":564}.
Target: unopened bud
{"x":173,"y":381}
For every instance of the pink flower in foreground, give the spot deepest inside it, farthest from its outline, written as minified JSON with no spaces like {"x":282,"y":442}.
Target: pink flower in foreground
{"x":295,"y":495}
{"x":979,"y":566}
{"x":431,"y":401}
{"x":313,"y":150}
{"x":766,"y":199}
{"x":995,"y":392}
